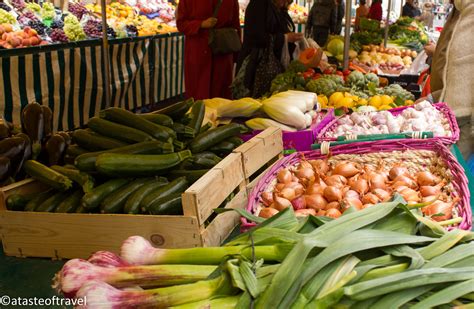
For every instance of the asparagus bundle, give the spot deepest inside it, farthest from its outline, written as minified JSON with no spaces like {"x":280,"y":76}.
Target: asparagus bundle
{"x":387,"y":256}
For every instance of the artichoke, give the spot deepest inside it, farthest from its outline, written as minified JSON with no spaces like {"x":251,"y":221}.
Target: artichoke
{"x":372,"y":78}
{"x":322,"y":86}
{"x":356,"y":79}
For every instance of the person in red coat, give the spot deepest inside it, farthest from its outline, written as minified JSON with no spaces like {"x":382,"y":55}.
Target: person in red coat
{"x":375,"y":11}
{"x":206,"y":75}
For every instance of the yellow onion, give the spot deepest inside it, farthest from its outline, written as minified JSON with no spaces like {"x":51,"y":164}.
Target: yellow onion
{"x":399,"y":188}
{"x":429,"y":199}
{"x":305,"y":173}
{"x":336,"y":205}
{"x":396,"y":171}
{"x":426,"y":179}
{"x":382,"y":194}
{"x":351,"y":194}
{"x":444,"y":209}
{"x":320,"y":166}
{"x":404,"y":180}
{"x":336,"y":181}
{"x":305,"y":212}
{"x":305,"y":164}
{"x":267,"y":212}
{"x":410,"y":195}
{"x":348,"y":202}
{"x":346,"y":169}
{"x":333,"y":213}
{"x":314,"y":189}
{"x":280,"y":186}
{"x":288,"y":193}
{"x":321,"y":213}
{"x":367,"y":206}
{"x":370,"y":198}
{"x":267,"y":198}
{"x":332,"y":194}
{"x":359,"y":185}
{"x":315,"y":201}
{"x":432,"y":190}
{"x":280,"y":203}
{"x":377,"y":181}
{"x":284,"y":176}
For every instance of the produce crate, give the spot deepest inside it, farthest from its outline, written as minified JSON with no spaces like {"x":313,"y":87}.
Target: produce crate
{"x":58,"y":235}
{"x":403,"y":80}
{"x":415,"y":154}
{"x":301,"y":140}
{"x":442,"y":107}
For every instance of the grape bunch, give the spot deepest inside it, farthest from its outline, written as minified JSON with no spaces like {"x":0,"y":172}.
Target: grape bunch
{"x":132,"y":30}
{"x":38,"y":26}
{"x":6,"y":18}
{"x":93,"y":28}
{"x":77,"y":9}
{"x":18,"y":4}
{"x":48,"y":11}
{"x":111,"y":32}
{"x":57,"y":24}
{"x":73,"y":29}
{"x":5,"y":7}
{"x":26,"y":18}
{"x":58,"y":35}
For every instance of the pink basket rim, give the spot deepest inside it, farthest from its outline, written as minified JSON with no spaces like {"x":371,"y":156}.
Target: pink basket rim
{"x":460,"y":181}
{"x":442,"y":107}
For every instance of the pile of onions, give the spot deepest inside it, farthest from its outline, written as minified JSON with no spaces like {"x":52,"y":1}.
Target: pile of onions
{"x":317,"y":188}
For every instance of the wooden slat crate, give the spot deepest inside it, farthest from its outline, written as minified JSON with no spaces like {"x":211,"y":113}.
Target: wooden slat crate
{"x":33,"y":234}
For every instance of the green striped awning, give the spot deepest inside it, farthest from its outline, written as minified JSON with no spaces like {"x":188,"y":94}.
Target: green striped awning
{"x":69,"y":78}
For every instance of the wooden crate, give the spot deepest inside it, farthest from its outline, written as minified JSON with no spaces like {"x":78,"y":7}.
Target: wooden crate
{"x":33,"y":234}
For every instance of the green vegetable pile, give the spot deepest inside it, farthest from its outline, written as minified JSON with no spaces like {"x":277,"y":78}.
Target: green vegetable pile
{"x":127,"y":163}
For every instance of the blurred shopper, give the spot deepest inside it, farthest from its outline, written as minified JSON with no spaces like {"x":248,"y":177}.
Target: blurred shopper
{"x":340,"y":12}
{"x":206,"y":75}
{"x":361,"y":12}
{"x":375,"y":11}
{"x":427,"y":16}
{"x":321,"y":21}
{"x":453,"y":63}
{"x":268,"y":30}
{"x":410,"y":9}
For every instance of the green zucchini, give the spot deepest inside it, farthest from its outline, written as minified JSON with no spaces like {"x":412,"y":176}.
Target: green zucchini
{"x":132,"y":205}
{"x":191,"y":176}
{"x":81,"y":178}
{"x":71,"y":203}
{"x":167,"y":206}
{"x":17,"y":202}
{"x":178,"y":185}
{"x":52,"y":202}
{"x":75,"y":150}
{"x":38,"y":200}
{"x":213,"y":137}
{"x":114,"y":202}
{"x":118,"y":131}
{"x":81,"y":210}
{"x":207,"y":155}
{"x":95,"y":142}
{"x":93,"y":199}
{"x":202,"y":163}
{"x":177,"y":110}
{"x":160,"y":119}
{"x":47,"y":176}
{"x":131,"y":120}
{"x":223,"y":148}
{"x":179,"y":146}
{"x":86,"y":162}
{"x":237,"y":141}
{"x":205,"y":127}
{"x":197,"y":115}
{"x":183,"y":131}
{"x":130,"y":165}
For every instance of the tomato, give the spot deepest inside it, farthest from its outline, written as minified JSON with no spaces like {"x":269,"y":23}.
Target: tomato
{"x":328,"y":71}
{"x":346,"y":72}
{"x":317,"y":76}
{"x":339,"y":73}
{"x":307,"y":75}
{"x":311,"y":70}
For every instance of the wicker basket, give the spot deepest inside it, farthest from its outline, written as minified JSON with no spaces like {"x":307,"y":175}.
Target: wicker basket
{"x":442,"y":107}
{"x":416,"y":155}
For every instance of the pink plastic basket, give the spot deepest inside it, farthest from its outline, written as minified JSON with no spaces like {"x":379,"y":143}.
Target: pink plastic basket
{"x":444,"y":156}
{"x":300,"y":140}
{"x":442,"y":107}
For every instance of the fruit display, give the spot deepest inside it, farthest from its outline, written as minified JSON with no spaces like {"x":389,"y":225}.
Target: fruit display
{"x":422,"y":117}
{"x":6,"y":17}
{"x":387,"y":60}
{"x":16,"y":39}
{"x":335,"y":48}
{"x":329,"y":187}
{"x":123,"y":162}
{"x":164,"y":11}
{"x":379,"y":257}
{"x":298,"y":13}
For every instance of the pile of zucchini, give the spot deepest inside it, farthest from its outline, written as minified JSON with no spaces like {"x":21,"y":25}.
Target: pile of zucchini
{"x":130,"y":163}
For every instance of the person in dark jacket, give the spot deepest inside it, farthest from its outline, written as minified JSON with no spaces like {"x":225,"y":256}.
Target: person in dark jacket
{"x":321,"y":21}
{"x":340,"y":11}
{"x":266,"y":22}
{"x":410,"y":9}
